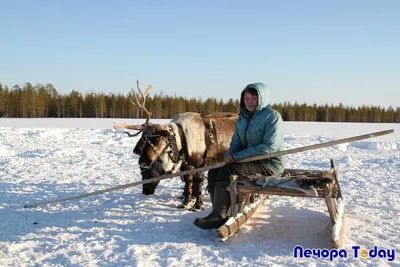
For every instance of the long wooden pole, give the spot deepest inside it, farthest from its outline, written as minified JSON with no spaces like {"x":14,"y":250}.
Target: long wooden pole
{"x":218,"y":165}
{"x":317,"y":146}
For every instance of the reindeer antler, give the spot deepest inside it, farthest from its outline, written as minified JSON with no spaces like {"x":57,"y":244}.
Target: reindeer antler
{"x":141,"y":106}
{"x":117,"y":126}
{"x":144,"y":96}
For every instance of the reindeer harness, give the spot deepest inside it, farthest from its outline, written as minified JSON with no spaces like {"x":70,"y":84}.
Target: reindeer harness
{"x":176,"y":155}
{"x":170,"y":141}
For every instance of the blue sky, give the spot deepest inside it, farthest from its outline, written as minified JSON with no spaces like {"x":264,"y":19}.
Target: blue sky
{"x":306,"y":51}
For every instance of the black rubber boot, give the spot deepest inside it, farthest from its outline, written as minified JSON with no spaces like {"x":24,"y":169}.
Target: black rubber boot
{"x":221,"y":204}
{"x":211,"y":189}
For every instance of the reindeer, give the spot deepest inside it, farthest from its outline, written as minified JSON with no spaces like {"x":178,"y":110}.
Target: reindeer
{"x":189,"y":141}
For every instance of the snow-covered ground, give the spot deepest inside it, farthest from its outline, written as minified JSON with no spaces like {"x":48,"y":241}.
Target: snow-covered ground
{"x":46,"y":159}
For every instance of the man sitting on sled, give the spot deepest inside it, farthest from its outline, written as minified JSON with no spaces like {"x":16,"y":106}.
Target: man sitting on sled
{"x":258,"y":131}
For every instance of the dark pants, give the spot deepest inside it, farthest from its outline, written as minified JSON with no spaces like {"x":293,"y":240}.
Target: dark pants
{"x":222,"y":175}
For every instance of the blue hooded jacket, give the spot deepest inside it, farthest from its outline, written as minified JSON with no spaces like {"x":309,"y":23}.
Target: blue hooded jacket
{"x":259,"y":135}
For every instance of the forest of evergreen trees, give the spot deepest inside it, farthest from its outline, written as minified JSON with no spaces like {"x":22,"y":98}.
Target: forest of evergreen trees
{"x":38,"y":101}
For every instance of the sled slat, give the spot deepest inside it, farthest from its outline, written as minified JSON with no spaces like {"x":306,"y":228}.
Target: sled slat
{"x":234,"y":225}
{"x":241,"y":197}
{"x":275,"y":191}
{"x":232,"y":194}
{"x":329,"y":204}
{"x":338,"y":243}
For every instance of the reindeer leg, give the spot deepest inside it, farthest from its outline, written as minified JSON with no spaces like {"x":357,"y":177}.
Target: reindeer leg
{"x":187,"y":193}
{"x":182,"y":195}
{"x":197,"y":192}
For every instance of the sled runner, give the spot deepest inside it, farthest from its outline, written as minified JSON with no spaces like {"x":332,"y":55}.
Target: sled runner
{"x":250,"y":191}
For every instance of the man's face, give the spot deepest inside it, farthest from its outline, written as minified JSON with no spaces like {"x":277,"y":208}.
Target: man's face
{"x":250,"y":101}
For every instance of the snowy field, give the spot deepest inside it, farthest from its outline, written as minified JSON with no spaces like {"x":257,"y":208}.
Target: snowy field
{"x":46,"y":159}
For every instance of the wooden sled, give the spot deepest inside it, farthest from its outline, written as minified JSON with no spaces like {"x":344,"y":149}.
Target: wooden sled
{"x":327,"y":187}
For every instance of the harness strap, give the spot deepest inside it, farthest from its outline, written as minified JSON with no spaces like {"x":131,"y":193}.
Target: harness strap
{"x":211,"y":153}
{"x":175,"y":153}
{"x":184,"y":153}
{"x":152,"y":145}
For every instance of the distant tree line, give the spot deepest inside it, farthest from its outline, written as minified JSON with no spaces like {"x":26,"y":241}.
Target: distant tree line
{"x":43,"y":101}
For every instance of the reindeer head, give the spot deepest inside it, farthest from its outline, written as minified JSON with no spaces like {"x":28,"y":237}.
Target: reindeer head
{"x":154,"y":143}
